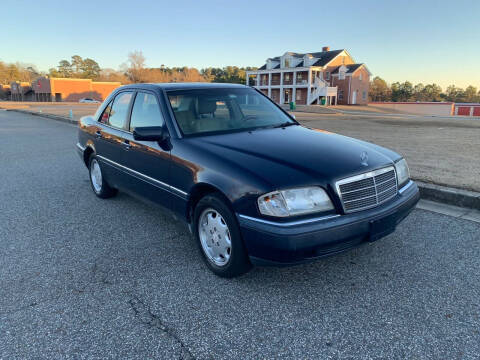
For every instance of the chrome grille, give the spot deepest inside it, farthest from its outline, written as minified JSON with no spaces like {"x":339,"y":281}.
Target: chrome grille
{"x":367,"y":190}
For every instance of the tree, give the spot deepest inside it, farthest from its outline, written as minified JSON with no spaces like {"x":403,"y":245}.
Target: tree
{"x":65,"y":69}
{"x":112,"y":75}
{"x":136,"y":67}
{"x":406,"y":91}
{"x":379,"y":90}
{"x":454,"y":94}
{"x":396,"y":93}
{"x":228,"y":74}
{"x":432,"y":92}
{"x":89,"y":69}
{"x":77,"y":63}
{"x":419,"y":92}
{"x":471,"y":94}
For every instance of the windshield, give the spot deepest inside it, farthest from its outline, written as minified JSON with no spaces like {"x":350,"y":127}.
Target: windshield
{"x":202,"y":111}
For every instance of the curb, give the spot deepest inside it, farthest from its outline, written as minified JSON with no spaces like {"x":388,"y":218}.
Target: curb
{"x":428,"y":191}
{"x":449,"y":195}
{"x":48,"y":116}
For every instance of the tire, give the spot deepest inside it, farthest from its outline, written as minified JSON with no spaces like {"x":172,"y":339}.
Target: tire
{"x":99,"y":185}
{"x":214,"y":227}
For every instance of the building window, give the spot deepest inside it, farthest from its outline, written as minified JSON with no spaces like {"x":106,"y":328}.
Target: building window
{"x":287,"y":77}
{"x":327,"y":75}
{"x":341,"y":75}
{"x":360,"y":77}
{"x":364,"y":95}
{"x":340,"y":94}
{"x":287,"y":62}
{"x":298,"y":96}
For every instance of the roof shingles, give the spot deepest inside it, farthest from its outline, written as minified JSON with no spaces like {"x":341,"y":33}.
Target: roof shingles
{"x":324,"y":57}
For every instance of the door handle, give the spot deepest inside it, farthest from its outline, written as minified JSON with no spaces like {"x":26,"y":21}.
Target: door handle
{"x":98,"y":134}
{"x":126,"y":145}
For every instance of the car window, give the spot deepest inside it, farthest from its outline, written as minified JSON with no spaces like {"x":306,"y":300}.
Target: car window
{"x":145,"y":111}
{"x":118,"y":113}
{"x":106,"y":113}
{"x":224,"y":110}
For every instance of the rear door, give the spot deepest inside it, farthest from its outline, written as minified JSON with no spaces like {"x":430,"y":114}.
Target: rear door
{"x":148,"y":161}
{"x":110,"y":138}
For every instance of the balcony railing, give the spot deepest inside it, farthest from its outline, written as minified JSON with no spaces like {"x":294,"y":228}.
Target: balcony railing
{"x":302,"y":82}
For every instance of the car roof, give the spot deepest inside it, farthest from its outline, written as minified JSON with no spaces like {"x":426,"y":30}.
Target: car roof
{"x":182,"y":86}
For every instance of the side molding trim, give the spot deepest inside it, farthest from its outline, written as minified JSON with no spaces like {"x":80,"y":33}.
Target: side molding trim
{"x":146,"y":178}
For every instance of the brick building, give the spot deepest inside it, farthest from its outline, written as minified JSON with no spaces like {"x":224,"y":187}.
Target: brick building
{"x":67,"y":89}
{"x":21,"y":91}
{"x":5,"y":92}
{"x":327,"y":77}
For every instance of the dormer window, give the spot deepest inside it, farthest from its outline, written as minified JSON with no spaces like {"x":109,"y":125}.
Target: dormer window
{"x":287,"y":62}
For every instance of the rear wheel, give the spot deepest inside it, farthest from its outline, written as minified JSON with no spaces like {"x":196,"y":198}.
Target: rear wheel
{"x":99,"y":184}
{"x":219,"y":238}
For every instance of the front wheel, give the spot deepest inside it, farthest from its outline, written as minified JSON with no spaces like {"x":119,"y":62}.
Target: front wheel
{"x":219,"y":238}
{"x":97,"y":180}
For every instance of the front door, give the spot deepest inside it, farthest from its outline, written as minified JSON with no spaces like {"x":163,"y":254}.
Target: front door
{"x":110,"y":137}
{"x":287,"y":97}
{"x":148,"y":162}
{"x":354,"y":97}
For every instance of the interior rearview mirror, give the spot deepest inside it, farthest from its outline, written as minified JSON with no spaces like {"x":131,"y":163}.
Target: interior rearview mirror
{"x":150,"y":133}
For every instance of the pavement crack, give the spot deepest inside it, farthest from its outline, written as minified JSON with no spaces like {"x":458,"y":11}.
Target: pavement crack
{"x":97,"y":273}
{"x":147,"y":317}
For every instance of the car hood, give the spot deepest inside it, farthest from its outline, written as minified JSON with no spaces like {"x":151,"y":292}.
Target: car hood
{"x":296,"y":155}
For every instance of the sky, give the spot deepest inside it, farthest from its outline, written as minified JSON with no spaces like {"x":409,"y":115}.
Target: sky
{"x":419,"y":41}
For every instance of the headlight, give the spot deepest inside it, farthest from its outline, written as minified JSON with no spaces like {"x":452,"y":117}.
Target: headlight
{"x":403,"y":174}
{"x":293,"y":202}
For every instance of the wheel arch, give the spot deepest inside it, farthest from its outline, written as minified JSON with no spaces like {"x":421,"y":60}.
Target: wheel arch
{"x":199,"y":191}
{"x":89,"y":150}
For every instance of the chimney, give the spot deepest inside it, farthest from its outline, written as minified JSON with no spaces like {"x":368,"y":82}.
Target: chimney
{"x":326,"y":48}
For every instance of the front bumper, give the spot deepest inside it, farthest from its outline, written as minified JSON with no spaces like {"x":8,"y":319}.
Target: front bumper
{"x":274,"y":243}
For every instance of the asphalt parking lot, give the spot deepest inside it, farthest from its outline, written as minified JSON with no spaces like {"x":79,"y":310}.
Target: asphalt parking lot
{"x":82,"y":277}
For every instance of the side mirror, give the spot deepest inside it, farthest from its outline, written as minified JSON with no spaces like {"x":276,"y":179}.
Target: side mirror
{"x":150,"y":133}
{"x":292,"y":115}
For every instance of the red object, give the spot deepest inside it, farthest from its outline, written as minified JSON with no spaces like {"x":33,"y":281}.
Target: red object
{"x":463,"y":110}
{"x":476,"y":111}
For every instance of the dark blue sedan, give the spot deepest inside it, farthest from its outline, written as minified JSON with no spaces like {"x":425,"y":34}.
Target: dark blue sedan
{"x":253,"y":185}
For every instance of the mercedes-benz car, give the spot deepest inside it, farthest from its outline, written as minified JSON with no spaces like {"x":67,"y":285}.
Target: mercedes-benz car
{"x":253,"y":185}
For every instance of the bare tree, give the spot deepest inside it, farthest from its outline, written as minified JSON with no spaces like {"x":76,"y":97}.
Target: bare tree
{"x":136,"y":67}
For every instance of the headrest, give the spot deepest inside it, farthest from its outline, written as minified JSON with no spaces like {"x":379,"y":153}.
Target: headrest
{"x":206,"y":106}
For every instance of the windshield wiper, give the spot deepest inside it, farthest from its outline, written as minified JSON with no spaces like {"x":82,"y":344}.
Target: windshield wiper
{"x":285,"y":124}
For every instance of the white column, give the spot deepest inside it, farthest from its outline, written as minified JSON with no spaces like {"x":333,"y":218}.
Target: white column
{"x":294,"y":91}
{"x":309,"y":85}
{"x":247,"y":75}
{"x":270,"y":85}
{"x":281,"y":87}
